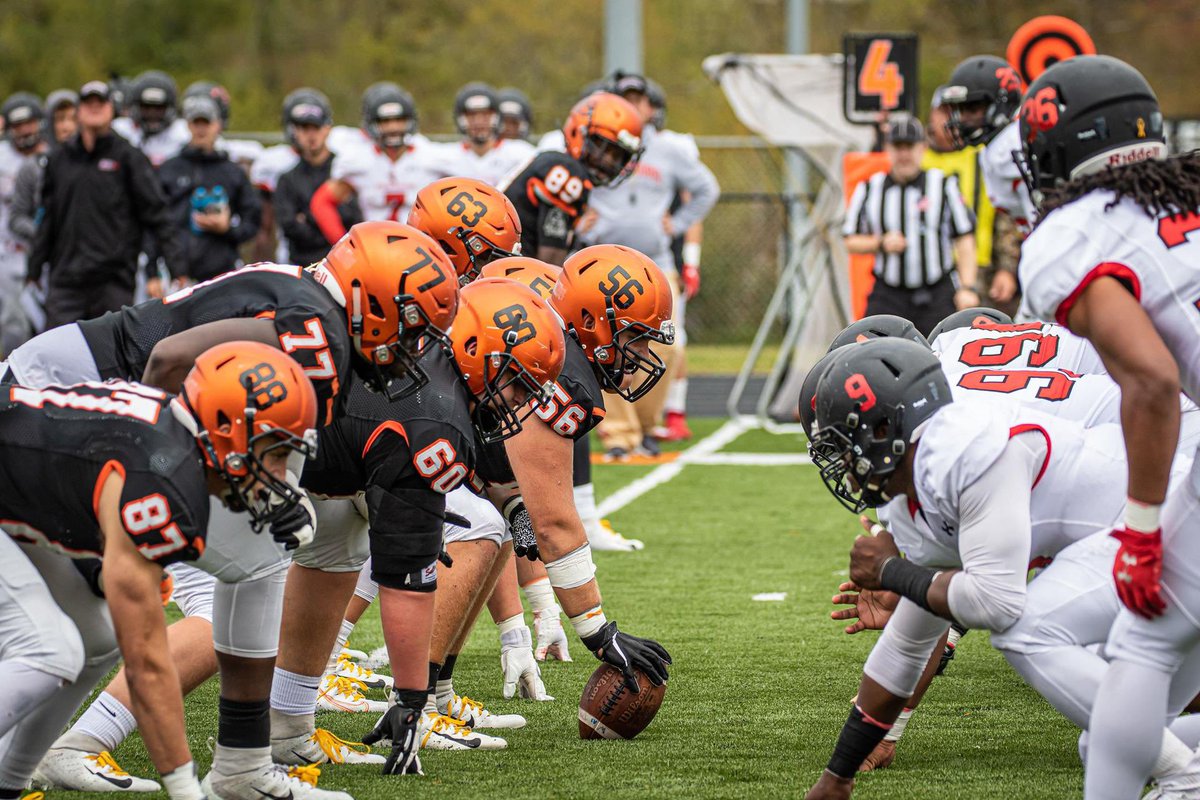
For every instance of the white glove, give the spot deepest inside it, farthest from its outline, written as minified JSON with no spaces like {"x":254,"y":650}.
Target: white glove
{"x":551,"y":638}
{"x":516,"y":660}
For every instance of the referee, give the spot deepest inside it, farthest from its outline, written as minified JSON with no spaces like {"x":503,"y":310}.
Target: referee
{"x":916,"y":224}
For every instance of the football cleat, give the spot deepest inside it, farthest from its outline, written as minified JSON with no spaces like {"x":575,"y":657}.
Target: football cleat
{"x":880,"y":758}
{"x":79,"y":771}
{"x":472,"y":714}
{"x":320,"y":747}
{"x":601,"y":536}
{"x":346,"y":694}
{"x":439,"y":732}
{"x":676,"y":428}
{"x":298,"y":783}
{"x":551,"y":638}
{"x":367,"y":677}
{"x":352,"y":654}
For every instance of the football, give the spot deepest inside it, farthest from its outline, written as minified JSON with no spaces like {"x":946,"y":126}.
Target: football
{"x":609,"y":710}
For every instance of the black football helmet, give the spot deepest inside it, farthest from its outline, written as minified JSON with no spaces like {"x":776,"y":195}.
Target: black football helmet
{"x":878,"y":326}
{"x":19,"y":108}
{"x":658,"y":100}
{"x":305,"y":105}
{"x":979,"y":316}
{"x":808,"y":391}
{"x":214,"y":90}
{"x":870,"y":401}
{"x":386,"y":100}
{"x":1084,"y":114}
{"x":476,"y":96}
{"x":990,"y":82}
{"x":513,"y":104}
{"x":152,"y":101}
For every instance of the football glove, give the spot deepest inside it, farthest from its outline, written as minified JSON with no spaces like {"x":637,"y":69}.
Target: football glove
{"x":294,"y":526}
{"x":629,"y":654}
{"x":520,"y":669}
{"x":399,"y":725}
{"x":1137,"y":571}
{"x":521,"y":526}
{"x":551,"y":638}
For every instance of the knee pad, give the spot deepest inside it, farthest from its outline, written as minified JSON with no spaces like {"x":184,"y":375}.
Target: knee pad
{"x":406,"y":537}
{"x":246,"y":615}
{"x":366,"y":588}
{"x":341,"y":543}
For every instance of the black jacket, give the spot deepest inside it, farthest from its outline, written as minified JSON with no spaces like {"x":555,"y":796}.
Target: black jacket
{"x":306,"y":243}
{"x":205,"y":254}
{"x":95,"y":208}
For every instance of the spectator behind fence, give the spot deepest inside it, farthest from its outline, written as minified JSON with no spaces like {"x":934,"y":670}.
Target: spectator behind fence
{"x":636,"y":213}
{"x":212,"y":205}
{"x":308,"y":121}
{"x":98,"y":197}
{"x":23,"y":115}
{"x":916,"y":224}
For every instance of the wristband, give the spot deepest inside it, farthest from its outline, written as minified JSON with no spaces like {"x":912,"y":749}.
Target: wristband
{"x":511,"y":624}
{"x":860,"y":735}
{"x":1142,"y":517}
{"x":181,"y":783}
{"x":691,"y":254}
{"x":908,"y":580}
{"x":572,"y":570}
{"x":589,"y":622}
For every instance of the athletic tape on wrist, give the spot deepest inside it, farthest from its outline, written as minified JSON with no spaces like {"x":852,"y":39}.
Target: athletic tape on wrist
{"x":181,"y":783}
{"x":511,"y":624}
{"x":588,"y":622}
{"x":572,"y":570}
{"x":860,"y":735}
{"x":908,"y":580}
{"x":1142,"y":517}
{"x":691,"y":254}
{"x":540,"y":595}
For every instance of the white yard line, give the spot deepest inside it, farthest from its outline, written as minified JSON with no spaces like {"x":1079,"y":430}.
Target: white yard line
{"x":752,"y":459}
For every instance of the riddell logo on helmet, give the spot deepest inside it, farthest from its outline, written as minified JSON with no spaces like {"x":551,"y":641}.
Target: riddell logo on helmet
{"x":1133,"y":156}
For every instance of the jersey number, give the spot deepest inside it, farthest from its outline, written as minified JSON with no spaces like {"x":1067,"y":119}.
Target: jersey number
{"x":395,"y":202}
{"x":1058,"y":383}
{"x":436,"y":463}
{"x":314,"y":339}
{"x":1173,"y":230}
{"x":563,"y":416}
{"x":1006,"y":349}
{"x":561,"y":182}
{"x":122,"y":399}
{"x":148,"y":521}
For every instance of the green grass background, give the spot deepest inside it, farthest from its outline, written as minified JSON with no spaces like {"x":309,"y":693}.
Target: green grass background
{"x":758,"y":691}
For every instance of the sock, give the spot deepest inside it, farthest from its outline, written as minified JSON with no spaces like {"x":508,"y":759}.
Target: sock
{"x":431,"y":700}
{"x":292,"y":693}
{"x":289,"y":726}
{"x":540,"y":595}
{"x":244,"y":724}
{"x":233,"y":760}
{"x":105,"y":724}
{"x":585,"y":505}
{"x":677,"y":397}
{"x":1126,"y":730}
{"x":343,"y":637}
{"x":444,"y":686}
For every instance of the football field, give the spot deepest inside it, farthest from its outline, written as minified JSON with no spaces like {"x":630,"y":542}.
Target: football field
{"x":758,"y":690}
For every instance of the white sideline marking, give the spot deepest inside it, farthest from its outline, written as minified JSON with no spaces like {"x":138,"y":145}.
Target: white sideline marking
{"x":751,"y":459}
{"x":770,"y":597}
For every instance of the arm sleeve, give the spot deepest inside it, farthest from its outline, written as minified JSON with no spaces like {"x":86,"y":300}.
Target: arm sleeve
{"x":248,"y":210}
{"x":994,"y":538}
{"x":324,"y":210}
{"x":151,"y":204}
{"x":21,"y":221}
{"x":854,"y":213}
{"x":899,"y":657}
{"x":960,"y":218}
{"x":701,"y":185}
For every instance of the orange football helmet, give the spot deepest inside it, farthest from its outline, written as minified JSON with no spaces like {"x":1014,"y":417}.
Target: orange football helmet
{"x":537,"y":275}
{"x":473,"y":222}
{"x":399,"y":291}
{"x":241,"y":394}
{"x":616,"y":302}
{"x":604,"y":133}
{"x":509,"y":348}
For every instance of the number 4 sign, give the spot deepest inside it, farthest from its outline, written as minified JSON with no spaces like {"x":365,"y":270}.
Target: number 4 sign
{"x":880,"y":72}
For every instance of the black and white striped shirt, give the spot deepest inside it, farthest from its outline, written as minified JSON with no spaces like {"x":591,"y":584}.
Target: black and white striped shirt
{"x":929,"y":211}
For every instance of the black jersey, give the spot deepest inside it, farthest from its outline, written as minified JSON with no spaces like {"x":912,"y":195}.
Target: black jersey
{"x":59,"y":444}
{"x":550,"y":194}
{"x":423,"y":441}
{"x":311,"y":325}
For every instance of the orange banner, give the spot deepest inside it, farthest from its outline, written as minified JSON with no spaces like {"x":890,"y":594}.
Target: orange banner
{"x":857,"y":167}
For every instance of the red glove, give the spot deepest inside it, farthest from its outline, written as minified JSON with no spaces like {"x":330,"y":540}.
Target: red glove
{"x":1137,"y":571}
{"x":691,"y":280}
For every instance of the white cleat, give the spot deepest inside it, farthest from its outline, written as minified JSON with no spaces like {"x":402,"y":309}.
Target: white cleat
{"x":79,"y":771}
{"x":439,"y":732}
{"x":320,"y":747}
{"x":601,"y":536}
{"x":352,"y":654}
{"x":472,"y":714}
{"x":367,"y":677}
{"x":298,"y":783}
{"x":346,"y":694}
{"x":551,"y":638}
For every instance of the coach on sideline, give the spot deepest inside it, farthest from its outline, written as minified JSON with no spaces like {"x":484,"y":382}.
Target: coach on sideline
{"x":916,"y":224}
{"x":98,"y":196}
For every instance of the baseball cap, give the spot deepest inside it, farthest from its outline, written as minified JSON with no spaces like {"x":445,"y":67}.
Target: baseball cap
{"x":905,"y":130}
{"x":94,"y":89}
{"x":201,"y":107}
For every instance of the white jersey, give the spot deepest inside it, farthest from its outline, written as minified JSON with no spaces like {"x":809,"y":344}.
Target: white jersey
{"x":492,"y":167}
{"x":10,"y":164}
{"x":1005,"y":188}
{"x":553,"y":140}
{"x":240,"y":151}
{"x":158,"y":147}
{"x":1155,"y":258}
{"x":386,"y":189}
{"x":1079,"y":490}
{"x":1040,"y":365}
{"x":269,"y":166}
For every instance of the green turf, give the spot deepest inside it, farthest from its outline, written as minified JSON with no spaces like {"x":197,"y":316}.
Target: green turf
{"x":758,"y":691}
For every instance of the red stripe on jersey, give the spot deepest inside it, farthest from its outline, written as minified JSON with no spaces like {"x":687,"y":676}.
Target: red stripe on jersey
{"x":1016,"y":430}
{"x":1107,"y":269}
{"x":390,"y":425}
{"x":109,"y":467}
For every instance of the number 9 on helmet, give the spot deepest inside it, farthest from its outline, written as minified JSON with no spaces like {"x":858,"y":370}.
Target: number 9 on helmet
{"x":509,"y":349}
{"x":248,"y":404}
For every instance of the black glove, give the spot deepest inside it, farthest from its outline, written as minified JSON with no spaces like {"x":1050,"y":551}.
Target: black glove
{"x":399,"y":725}
{"x":630,"y":653}
{"x":286,"y":524}
{"x":521,"y":526}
